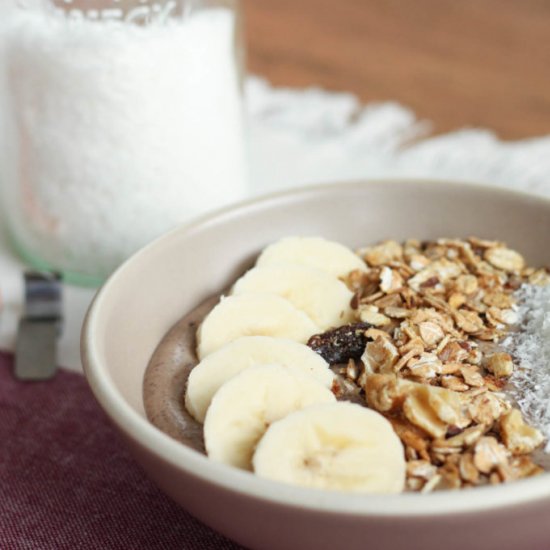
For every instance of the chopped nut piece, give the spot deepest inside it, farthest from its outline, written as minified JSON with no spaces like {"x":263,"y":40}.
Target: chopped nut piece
{"x":519,"y":438}
{"x":500,"y":364}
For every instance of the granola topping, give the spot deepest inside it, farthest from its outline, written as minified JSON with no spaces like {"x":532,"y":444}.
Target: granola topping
{"x":433,"y":316}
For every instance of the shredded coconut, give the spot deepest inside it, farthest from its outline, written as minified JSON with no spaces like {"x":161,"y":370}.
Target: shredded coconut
{"x":120,"y":131}
{"x":530,"y":346}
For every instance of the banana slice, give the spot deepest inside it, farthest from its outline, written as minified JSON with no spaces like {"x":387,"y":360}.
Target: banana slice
{"x":252,"y":315}
{"x":249,"y":351}
{"x":316,"y":252}
{"x":324,"y":298}
{"x":244,"y":407}
{"x":339,"y":446}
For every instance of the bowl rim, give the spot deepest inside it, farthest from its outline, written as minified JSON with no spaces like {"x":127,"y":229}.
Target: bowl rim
{"x":138,"y":429}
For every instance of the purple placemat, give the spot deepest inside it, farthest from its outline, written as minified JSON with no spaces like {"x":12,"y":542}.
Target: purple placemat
{"x":67,"y":481}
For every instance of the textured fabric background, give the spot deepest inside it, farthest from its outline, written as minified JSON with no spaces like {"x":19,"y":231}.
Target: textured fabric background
{"x":67,"y":482}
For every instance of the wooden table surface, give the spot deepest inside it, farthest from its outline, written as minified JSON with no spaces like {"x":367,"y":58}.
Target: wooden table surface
{"x":458,"y":63}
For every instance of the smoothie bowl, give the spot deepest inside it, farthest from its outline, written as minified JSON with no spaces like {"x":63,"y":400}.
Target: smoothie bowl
{"x":475,"y":482}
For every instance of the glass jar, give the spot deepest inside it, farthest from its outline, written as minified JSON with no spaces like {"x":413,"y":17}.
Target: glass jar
{"x":120,"y":120}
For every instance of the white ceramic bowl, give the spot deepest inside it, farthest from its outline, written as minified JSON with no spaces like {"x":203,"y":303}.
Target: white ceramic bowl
{"x":159,"y":284}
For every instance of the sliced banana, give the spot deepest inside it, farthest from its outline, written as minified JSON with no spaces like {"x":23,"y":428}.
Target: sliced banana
{"x":244,"y":407}
{"x":316,"y":252}
{"x":249,"y":351}
{"x":252,"y":315}
{"x":324,"y":298}
{"x":339,"y":446}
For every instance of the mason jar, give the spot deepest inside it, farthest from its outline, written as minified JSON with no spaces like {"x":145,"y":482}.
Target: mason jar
{"x":120,"y":119}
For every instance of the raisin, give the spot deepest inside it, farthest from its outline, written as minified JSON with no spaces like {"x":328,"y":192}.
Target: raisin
{"x":338,"y":345}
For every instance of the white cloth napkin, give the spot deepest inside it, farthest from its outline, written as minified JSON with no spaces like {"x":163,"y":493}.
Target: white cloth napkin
{"x":299,"y":137}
